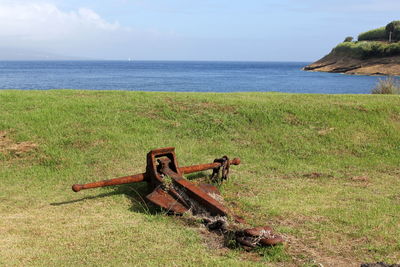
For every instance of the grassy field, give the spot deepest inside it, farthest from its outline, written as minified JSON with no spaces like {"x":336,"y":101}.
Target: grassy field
{"x":323,"y":170}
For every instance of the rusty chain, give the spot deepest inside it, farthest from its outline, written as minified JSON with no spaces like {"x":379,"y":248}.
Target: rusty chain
{"x":221,"y":173}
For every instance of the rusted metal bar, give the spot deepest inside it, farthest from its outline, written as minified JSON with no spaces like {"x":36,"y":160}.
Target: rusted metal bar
{"x":207,"y":166}
{"x":143,"y":176}
{"x":116,"y":181}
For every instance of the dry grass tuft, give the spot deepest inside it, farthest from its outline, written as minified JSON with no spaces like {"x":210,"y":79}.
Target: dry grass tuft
{"x":390,"y":86}
{"x":325,"y":131}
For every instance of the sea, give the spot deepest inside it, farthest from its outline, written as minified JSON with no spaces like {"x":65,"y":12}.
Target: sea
{"x":179,"y":76}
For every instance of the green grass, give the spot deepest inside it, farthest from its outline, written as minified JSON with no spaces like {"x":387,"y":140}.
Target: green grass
{"x":323,"y":170}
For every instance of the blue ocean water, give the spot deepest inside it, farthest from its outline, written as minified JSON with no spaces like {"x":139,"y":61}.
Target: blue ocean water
{"x":178,"y":76}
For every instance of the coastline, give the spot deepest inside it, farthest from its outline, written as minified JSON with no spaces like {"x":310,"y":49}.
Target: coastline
{"x":340,"y":63}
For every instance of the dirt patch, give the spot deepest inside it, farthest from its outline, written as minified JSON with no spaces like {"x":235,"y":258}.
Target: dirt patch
{"x":199,"y":107}
{"x":395,"y":118}
{"x":213,"y":241}
{"x":7,"y":145}
{"x":179,"y":106}
{"x":359,"y":181}
{"x":304,"y":253}
{"x":216,"y":243}
{"x":306,"y":250}
{"x":396,"y":197}
{"x":360,"y":178}
{"x":317,"y":175}
{"x":325,"y":131}
{"x":361,"y":108}
{"x":292,"y":119}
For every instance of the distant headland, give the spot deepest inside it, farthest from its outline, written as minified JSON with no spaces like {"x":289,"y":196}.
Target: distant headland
{"x":376,"y":52}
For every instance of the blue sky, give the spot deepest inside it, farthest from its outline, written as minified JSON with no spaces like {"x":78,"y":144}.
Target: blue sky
{"x":260,"y":30}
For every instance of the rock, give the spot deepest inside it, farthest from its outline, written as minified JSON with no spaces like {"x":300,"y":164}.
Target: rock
{"x":339,"y":63}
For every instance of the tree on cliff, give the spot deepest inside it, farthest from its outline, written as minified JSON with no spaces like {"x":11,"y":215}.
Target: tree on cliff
{"x":393,"y":30}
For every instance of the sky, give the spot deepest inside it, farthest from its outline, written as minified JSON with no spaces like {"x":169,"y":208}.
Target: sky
{"x":226,"y":30}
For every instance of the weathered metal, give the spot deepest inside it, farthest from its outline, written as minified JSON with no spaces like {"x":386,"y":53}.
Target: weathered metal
{"x":148,"y":175}
{"x":172,"y":192}
{"x":261,"y":236}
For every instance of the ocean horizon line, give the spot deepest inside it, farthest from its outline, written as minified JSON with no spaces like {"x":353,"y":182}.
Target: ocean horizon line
{"x":152,"y":60}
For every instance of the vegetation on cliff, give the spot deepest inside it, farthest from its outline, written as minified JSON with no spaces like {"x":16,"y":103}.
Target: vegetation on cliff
{"x":373,"y":35}
{"x":389,"y":33}
{"x":368,"y":49}
{"x":380,"y":42}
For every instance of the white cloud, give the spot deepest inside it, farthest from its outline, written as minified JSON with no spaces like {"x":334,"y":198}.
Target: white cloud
{"x":42,"y":26}
{"x":44,"y":21}
{"x":81,"y":32}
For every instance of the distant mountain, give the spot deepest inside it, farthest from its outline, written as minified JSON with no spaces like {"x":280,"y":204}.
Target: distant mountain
{"x":11,"y":53}
{"x":376,"y":52}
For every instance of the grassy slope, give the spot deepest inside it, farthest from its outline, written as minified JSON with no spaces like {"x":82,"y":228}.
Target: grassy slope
{"x":322,"y":170}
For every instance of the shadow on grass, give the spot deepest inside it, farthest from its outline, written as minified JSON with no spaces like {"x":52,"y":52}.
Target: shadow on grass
{"x":196,"y":175}
{"x":136,"y":193}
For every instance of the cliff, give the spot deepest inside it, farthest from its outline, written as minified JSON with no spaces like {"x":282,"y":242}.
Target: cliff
{"x":376,"y":52}
{"x":341,"y":63}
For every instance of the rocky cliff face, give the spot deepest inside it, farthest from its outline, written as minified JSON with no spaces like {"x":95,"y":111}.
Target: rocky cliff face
{"x":339,"y":63}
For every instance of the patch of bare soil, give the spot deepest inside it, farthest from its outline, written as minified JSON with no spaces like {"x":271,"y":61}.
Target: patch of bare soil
{"x":292,"y":119}
{"x":217,"y":243}
{"x":325,"y":131}
{"x":199,"y":107}
{"x":360,"y":178}
{"x":359,"y":181}
{"x":299,"y":248}
{"x":317,"y":175}
{"x":395,"y":118}
{"x":7,"y":145}
{"x":306,"y":250}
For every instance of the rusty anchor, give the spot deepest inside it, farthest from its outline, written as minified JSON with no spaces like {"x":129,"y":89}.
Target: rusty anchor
{"x":172,"y":192}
